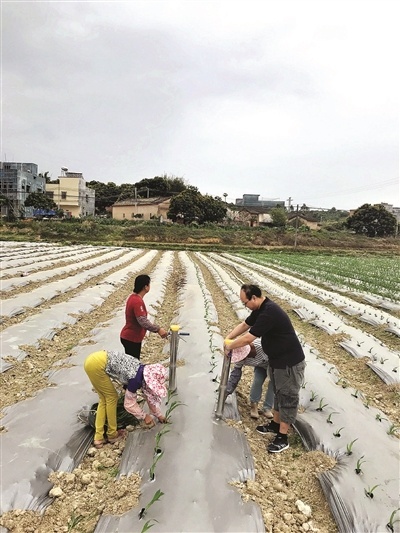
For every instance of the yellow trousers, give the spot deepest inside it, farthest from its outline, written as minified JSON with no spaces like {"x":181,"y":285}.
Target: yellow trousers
{"x":95,"y":368}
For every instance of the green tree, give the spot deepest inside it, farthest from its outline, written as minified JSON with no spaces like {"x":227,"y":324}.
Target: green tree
{"x":279,"y":217}
{"x":127,"y":191}
{"x":186,"y":206}
{"x":191,"y":206}
{"x":161,"y":186}
{"x":106,"y":195}
{"x":372,"y":220}
{"x":213,"y":209}
{"x":39,"y":200}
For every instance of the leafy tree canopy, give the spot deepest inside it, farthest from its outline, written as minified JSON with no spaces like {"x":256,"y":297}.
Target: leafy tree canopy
{"x":39,"y":200}
{"x":109,"y":193}
{"x":372,"y":220}
{"x":191,"y":206}
{"x":161,"y":186}
{"x":279,"y":216}
{"x":106,"y":195}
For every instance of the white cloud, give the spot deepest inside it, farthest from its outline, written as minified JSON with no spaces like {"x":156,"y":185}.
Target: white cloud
{"x":277,"y":98}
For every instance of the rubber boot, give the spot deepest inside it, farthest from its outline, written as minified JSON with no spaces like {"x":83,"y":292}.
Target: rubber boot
{"x":254,"y":410}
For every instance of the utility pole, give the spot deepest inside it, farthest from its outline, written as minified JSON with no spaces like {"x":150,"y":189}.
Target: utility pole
{"x":296,"y":226}
{"x":289,"y":201}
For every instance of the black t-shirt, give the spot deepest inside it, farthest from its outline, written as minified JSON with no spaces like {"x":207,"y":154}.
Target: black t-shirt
{"x":278,"y":337}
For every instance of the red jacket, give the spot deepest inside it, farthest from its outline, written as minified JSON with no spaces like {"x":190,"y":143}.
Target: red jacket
{"x":133,"y":331}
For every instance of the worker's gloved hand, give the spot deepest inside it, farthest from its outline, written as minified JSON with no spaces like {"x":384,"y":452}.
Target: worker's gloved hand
{"x":227,"y":343}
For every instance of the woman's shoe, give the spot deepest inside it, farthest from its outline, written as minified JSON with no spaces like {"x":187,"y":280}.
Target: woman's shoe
{"x":254,"y":410}
{"x":121,"y":435}
{"x":267,"y":413}
{"x":98,"y":443}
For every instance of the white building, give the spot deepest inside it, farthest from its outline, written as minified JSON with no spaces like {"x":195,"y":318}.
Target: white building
{"x":17,"y":181}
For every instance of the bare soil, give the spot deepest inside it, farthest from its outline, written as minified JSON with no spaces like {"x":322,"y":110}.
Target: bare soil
{"x":82,"y":496}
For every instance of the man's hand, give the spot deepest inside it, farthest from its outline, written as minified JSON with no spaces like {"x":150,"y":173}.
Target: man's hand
{"x":163,"y":333}
{"x":162,"y":419}
{"x":227,"y":348}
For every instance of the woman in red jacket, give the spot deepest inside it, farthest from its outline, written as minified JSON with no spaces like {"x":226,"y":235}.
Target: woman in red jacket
{"x":136,"y":321}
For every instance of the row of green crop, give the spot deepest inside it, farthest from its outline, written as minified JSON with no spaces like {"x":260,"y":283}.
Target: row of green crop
{"x":371,"y":274}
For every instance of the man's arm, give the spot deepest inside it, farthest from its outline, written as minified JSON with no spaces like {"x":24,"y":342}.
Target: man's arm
{"x":238,"y":330}
{"x":243,"y":340}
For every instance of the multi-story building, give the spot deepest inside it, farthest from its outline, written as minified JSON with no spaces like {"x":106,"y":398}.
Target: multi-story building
{"x":252,"y":200}
{"x":69,"y":192}
{"x":394,"y":210}
{"x":17,"y":181}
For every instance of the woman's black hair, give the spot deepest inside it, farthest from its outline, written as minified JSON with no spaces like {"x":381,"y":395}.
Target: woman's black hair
{"x":251,"y":290}
{"x":141,"y":282}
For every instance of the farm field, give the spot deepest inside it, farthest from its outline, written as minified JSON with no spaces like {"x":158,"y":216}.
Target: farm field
{"x":61,"y":303}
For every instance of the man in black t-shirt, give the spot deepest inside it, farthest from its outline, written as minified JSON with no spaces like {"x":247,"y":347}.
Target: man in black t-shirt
{"x":286,"y":358}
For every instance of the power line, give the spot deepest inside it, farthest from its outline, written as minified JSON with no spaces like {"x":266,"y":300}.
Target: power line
{"x":354,"y":190}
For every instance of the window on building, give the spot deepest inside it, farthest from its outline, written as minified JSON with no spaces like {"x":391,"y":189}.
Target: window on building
{"x":50,"y":194}
{"x":28,"y":188}
{"x":123,"y":215}
{"x":63,"y":195}
{"x":87,"y":198}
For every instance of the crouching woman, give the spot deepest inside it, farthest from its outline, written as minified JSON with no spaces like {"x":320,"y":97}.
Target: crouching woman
{"x":101,"y":367}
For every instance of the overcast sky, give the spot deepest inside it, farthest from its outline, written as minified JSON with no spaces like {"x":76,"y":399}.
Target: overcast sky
{"x":285,"y":99}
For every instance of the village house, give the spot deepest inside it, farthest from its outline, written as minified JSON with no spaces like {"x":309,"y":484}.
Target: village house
{"x":141,"y":208}
{"x":69,"y":193}
{"x":300,"y":219}
{"x":249,"y":216}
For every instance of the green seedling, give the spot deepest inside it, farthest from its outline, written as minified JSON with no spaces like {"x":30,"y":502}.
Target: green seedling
{"x":355,"y":394}
{"x":153,"y":466}
{"x":303,"y":385}
{"x":160,"y":434}
{"x":173,"y":406}
{"x":330,"y":369}
{"x":148,"y":525}
{"x":170,"y":395}
{"x":370,"y":491}
{"x":379,"y":418}
{"x":359,"y":463}
{"x":74,"y":521}
{"x":157,"y":495}
{"x":342,"y":382}
{"x":349,"y":447}
{"x":313,"y":396}
{"x":321,"y":405}
{"x":382,"y":361}
{"x":329,"y":419}
{"x":392,"y":521}
{"x":393,"y":429}
{"x":113,"y":471}
{"x":366,"y":403}
{"x":337,"y":433}
{"x":394,"y":369}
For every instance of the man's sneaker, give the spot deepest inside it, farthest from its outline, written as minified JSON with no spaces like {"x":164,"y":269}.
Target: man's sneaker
{"x":272,"y":427}
{"x":278,"y":445}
